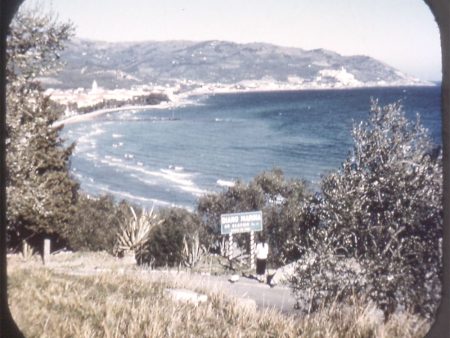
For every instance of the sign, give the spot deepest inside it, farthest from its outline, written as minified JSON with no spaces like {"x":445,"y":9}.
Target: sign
{"x":240,"y":222}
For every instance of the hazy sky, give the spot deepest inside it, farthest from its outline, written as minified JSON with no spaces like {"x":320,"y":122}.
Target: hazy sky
{"x":401,"y":33}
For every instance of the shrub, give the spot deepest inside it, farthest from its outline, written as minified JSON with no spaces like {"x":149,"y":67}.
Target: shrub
{"x":193,"y":251}
{"x":96,"y":222}
{"x":135,"y":232}
{"x":165,"y":245}
{"x":384,"y":209}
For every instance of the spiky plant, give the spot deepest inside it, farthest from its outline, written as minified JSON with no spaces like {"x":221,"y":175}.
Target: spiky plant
{"x":136,"y":231}
{"x":27,"y":251}
{"x":193,"y":251}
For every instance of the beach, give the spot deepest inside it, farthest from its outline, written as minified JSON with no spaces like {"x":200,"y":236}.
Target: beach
{"x":92,"y":115}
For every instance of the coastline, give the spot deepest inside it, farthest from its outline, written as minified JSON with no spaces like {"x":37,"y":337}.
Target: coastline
{"x":181,"y":99}
{"x":92,"y":115}
{"x":172,"y":179}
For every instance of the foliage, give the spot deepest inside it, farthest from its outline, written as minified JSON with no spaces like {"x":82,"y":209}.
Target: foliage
{"x":384,"y":209}
{"x":40,"y":192}
{"x":135,"y":232}
{"x":95,"y":223}
{"x":287,"y":206}
{"x":27,"y":251}
{"x":193,"y":251}
{"x":48,"y":304}
{"x":323,"y":278}
{"x":165,"y":245}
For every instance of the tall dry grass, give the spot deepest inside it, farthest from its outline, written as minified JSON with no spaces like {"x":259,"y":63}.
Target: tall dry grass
{"x":49,"y":304}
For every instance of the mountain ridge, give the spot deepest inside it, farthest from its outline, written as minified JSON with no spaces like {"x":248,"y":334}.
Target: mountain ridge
{"x":196,"y":63}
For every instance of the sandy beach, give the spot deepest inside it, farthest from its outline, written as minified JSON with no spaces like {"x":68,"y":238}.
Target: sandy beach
{"x":92,"y":115}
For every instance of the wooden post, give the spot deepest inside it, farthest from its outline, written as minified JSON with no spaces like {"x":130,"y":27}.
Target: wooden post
{"x":46,"y":256}
{"x":252,"y":250}
{"x":230,"y":246}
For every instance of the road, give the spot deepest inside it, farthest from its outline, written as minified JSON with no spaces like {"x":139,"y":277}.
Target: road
{"x":265,"y":296}
{"x":246,"y":289}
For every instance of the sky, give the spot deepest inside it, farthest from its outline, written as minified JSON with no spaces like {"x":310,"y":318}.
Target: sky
{"x":401,"y":33}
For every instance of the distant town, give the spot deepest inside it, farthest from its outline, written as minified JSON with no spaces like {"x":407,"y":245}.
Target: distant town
{"x":85,"y":100}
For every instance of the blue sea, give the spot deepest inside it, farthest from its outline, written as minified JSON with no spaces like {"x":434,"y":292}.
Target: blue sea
{"x":171,"y":157}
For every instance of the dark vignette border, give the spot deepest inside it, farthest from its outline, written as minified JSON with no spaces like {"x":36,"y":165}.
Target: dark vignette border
{"x":441,"y":12}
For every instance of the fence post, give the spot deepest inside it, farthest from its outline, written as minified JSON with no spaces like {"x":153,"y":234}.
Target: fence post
{"x":46,"y":255}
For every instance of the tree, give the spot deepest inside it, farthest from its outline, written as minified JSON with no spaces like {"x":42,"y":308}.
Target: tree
{"x":384,"y":209}
{"x":96,"y":222}
{"x":40,"y":191}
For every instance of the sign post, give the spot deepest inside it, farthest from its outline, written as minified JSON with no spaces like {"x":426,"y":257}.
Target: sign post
{"x":252,"y":250}
{"x":230,"y":246}
{"x":240,"y":223}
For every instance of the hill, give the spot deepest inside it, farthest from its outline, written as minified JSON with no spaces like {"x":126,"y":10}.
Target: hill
{"x":188,"y":63}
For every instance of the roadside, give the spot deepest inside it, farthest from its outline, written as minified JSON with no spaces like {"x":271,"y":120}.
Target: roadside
{"x":245,"y":290}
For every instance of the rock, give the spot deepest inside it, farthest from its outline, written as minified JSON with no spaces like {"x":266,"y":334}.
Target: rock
{"x":186,"y":296}
{"x":234,"y":278}
{"x":283,"y":274}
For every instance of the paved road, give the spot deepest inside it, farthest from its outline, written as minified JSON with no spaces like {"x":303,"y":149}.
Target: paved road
{"x":278,"y":297}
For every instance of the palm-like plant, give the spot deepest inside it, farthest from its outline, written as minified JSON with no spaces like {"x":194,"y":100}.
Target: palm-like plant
{"x":193,"y":251}
{"x":135,"y":233}
{"x":27,"y":251}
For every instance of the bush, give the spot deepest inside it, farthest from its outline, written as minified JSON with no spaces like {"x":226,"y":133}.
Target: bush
{"x":323,"y":278}
{"x":384,"y":209}
{"x":96,"y":222}
{"x":135,"y":231}
{"x":166,"y":242}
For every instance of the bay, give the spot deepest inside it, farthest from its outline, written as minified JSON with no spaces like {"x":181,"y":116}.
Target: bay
{"x":170,"y":157}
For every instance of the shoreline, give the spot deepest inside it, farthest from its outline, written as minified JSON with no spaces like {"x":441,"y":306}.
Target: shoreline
{"x":92,"y":115}
{"x":182,"y":99}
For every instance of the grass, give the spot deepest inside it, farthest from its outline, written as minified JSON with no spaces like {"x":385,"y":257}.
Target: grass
{"x":49,"y":302}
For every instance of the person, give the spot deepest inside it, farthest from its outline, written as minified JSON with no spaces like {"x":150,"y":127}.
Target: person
{"x":262,"y":251}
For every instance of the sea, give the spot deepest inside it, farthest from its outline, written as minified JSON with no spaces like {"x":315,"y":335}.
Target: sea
{"x":171,"y":157}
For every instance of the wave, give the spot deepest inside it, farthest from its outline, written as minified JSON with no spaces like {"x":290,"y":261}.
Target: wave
{"x":224,"y":183}
{"x":144,"y":201}
{"x":116,"y":145}
{"x":176,"y":176}
{"x":217,"y":119}
{"x":227,"y":120}
{"x":176,"y":168}
{"x":87,"y":141}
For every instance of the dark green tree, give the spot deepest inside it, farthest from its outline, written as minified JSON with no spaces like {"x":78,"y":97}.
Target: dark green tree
{"x":40,"y":191}
{"x":96,"y":222}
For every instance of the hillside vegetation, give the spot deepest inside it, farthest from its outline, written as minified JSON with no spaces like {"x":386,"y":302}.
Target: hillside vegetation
{"x":49,"y":302}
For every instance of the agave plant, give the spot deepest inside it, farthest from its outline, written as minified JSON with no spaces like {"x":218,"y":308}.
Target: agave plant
{"x":193,"y":251}
{"x":27,"y":251}
{"x":135,"y":233}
